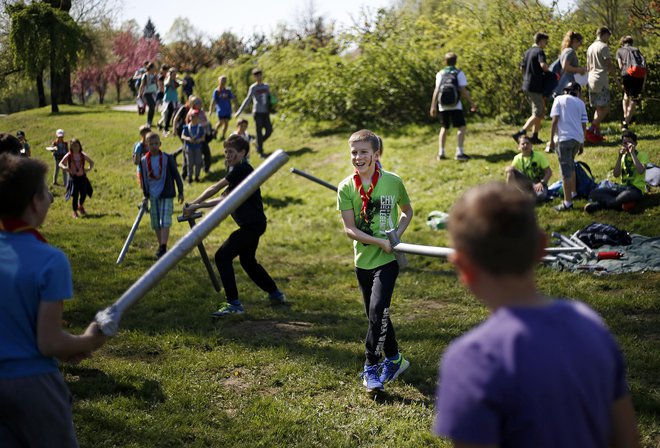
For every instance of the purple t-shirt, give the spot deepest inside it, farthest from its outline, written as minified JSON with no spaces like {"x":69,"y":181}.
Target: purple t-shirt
{"x":542,"y":377}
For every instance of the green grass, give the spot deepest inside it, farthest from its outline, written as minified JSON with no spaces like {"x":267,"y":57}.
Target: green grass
{"x":288,"y":376}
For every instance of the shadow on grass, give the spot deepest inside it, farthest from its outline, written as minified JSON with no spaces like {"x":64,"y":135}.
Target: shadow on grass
{"x":281,"y":202}
{"x":300,"y":152}
{"x":89,"y":383}
{"x":75,"y":112}
{"x":505,"y":156}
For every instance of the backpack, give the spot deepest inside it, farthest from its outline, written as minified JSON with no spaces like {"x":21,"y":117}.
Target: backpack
{"x":598,"y":234}
{"x":638,"y":68}
{"x":448,"y":94}
{"x":584,"y":180}
{"x":551,"y":78}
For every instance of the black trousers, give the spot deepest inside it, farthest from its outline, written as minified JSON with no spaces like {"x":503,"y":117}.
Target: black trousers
{"x":150,"y":99}
{"x":169,"y":114}
{"x":79,"y":193}
{"x":377,"y":286}
{"x":616,"y":196}
{"x":243,"y":244}
{"x":264,"y":129}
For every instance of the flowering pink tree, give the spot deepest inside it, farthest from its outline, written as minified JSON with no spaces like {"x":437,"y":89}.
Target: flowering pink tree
{"x":129,"y":53}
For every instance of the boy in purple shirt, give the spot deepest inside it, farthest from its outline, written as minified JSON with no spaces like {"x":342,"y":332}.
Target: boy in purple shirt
{"x":539,"y":372}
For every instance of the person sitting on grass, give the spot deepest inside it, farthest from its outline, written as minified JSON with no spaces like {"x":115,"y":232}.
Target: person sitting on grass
{"x":530,"y":170}
{"x":540,"y":372}
{"x":242,"y":243}
{"x":159,"y":174}
{"x":369,"y":202}
{"x":35,"y":401}
{"x":630,"y":166}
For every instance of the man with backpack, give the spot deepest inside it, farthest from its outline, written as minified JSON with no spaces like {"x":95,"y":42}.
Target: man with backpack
{"x":450,"y":84}
{"x":569,"y":123}
{"x":599,"y":63}
{"x":633,"y":76}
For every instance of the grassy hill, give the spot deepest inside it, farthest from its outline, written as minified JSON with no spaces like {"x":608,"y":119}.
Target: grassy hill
{"x":287,"y":376}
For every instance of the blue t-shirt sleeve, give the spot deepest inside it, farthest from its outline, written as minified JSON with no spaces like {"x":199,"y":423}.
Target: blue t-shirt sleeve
{"x":467,"y":397}
{"x":56,"y":283}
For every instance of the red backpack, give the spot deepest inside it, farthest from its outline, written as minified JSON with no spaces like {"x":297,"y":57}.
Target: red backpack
{"x":638,"y":68}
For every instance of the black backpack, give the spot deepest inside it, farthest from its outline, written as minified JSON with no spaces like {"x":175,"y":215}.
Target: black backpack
{"x":598,"y":234}
{"x":448,"y":93}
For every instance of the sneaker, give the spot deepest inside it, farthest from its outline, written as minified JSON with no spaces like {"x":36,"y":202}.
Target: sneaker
{"x":392,"y":369}
{"x":462,"y":157}
{"x":441,"y":157}
{"x":277,"y":298}
{"x":160,"y":252}
{"x":536,"y":141}
{"x":81,"y":209}
{"x":370,"y":379}
{"x":75,"y":215}
{"x":624,"y":126}
{"x":563,"y":207}
{"x":592,"y":207}
{"x":228,"y":309}
{"x":517,"y":135}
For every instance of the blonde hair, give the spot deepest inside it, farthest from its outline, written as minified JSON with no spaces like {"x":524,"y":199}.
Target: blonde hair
{"x":569,"y":37}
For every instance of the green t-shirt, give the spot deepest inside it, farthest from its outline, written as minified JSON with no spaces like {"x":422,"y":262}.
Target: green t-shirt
{"x":382,"y":215}
{"x":629,"y":175}
{"x":533,"y":166}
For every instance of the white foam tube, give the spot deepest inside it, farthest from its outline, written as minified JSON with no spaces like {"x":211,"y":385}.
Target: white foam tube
{"x":108,"y":319}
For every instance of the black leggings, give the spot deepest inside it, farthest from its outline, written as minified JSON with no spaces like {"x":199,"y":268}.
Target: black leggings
{"x":264,"y":129}
{"x":377,"y":286}
{"x":243,"y":243}
{"x":169,"y":114}
{"x":616,"y":196}
{"x":79,"y":193}
{"x":150,"y":99}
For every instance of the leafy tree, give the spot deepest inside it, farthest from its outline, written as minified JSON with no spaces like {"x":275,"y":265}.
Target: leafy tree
{"x":43,"y":37}
{"x":188,"y":46}
{"x":227,"y":48}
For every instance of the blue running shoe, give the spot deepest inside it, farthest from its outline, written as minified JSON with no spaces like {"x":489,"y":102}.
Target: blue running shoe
{"x":277,"y":298}
{"x":393,"y":368}
{"x":228,"y":309}
{"x":370,"y":379}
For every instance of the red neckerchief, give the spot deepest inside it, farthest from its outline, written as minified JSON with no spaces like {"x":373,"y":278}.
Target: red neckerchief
{"x":366,"y":196}
{"x":12,"y":225}
{"x":150,"y":170}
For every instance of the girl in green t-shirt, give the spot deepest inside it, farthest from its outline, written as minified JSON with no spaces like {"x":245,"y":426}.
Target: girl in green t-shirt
{"x":369,"y":201}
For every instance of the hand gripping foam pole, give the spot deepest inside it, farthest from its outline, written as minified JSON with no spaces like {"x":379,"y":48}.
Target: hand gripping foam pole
{"x":108,"y":319}
{"x":131,"y":234}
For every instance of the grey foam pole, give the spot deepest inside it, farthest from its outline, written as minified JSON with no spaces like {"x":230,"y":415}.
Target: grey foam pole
{"x":429,"y":251}
{"x":108,"y":319}
{"x":314,"y":179}
{"x":401,"y":259}
{"x":131,"y":234}
{"x":559,"y":250}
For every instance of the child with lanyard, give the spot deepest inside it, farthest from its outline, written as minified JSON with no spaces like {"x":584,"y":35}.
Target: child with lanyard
{"x":242,"y":243}
{"x":530,"y":170}
{"x":36,"y":405}
{"x":159,"y":173}
{"x":369,"y":201}
{"x":78,"y":187}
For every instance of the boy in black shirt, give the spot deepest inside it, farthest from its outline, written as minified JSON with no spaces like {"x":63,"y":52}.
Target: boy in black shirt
{"x":243,"y":242}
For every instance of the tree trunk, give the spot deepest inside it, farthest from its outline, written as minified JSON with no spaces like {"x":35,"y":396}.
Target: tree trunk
{"x":118,"y":87}
{"x":53,"y":92}
{"x":40,"y":90}
{"x":65,"y":83}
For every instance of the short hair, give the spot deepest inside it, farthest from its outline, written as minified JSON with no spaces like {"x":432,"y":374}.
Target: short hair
{"x":629,"y":134}
{"x":150,"y":65}
{"x":164,"y":67}
{"x":451,"y":58}
{"x":626,"y":40}
{"x":152,"y":136}
{"x":524,"y":137}
{"x":538,"y":37}
{"x":144,"y":129}
{"x":241,"y":121}
{"x":365,"y":135}
{"x":20,"y":179}
{"x":238,"y":143}
{"x":10,"y":144}
{"x":256,"y":71}
{"x":603,"y":30}
{"x":495,"y":225}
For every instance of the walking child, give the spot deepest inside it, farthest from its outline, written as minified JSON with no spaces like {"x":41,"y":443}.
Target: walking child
{"x":222,"y":100}
{"x":26,"y":151}
{"x":369,"y":201}
{"x":78,"y":188}
{"x":140,"y":149}
{"x":539,"y":372}
{"x":60,"y":149}
{"x":193,"y":135}
{"x":159,"y":174}
{"x":242,"y":243}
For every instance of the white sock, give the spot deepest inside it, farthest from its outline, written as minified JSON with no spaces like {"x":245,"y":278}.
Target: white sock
{"x":459,"y":151}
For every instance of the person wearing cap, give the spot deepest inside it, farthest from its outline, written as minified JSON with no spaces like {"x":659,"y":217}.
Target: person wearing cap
{"x":259,"y":93}
{"x":61,"y":149}
{"x":25,"y":151}
{"x":569,"y":123}
{"x":599,"y":63}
